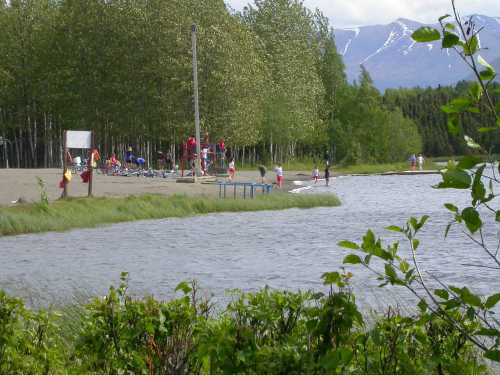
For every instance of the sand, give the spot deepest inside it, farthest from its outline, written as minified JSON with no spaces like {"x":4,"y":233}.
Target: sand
{"x":22,"y":183}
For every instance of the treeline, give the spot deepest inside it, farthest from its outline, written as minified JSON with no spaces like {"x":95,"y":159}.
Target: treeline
{"x":271,"y":84}
{"x":424,"y":106}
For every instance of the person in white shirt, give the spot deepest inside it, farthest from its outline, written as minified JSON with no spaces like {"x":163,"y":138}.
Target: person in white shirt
{"x":232,"y":170}
{"x":204,"y":160}
{"x":279,"y":175}
{"x":315,"y":174}
{"x":420,"y":162}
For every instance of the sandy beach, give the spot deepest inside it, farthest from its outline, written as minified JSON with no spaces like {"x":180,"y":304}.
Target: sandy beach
{"x":22,"y":183}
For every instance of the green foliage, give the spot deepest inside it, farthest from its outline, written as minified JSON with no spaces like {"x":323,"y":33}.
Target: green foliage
{"x":365,"y":131}
{"x":29,"y":341}
{"x":426,"y":34}
{"x":443,"y":132}
{"x":268,"y":331}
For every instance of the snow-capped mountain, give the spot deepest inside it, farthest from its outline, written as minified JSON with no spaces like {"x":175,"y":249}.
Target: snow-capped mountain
{"x":395,"y":60}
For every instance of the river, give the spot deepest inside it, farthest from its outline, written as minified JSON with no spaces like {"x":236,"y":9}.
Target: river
{"x":283,"y":249}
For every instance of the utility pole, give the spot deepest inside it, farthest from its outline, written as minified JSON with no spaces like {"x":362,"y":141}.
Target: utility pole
{"x":196,"y":102}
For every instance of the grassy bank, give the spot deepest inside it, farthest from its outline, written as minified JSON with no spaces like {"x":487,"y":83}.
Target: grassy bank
{"x":346,"y":169}
{"x":380,"y":168}
{"x":86,"y":213}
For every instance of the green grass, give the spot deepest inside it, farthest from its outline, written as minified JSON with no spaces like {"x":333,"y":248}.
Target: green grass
{"x":445,"y":159}
{"x":89,"y":212}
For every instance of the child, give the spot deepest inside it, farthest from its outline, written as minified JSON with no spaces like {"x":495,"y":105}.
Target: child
{"x":315,"y":174}
{"x":232,"y":170}
{"x":327,"y":175}
{"x":279,"y":175}
{"x":262,"y":171}
{"x":420,"y":162}
{"x":204,"y":159}
{"x":413,"y":161}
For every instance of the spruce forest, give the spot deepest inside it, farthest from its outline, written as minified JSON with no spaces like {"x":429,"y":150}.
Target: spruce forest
{"x":272,"y":84}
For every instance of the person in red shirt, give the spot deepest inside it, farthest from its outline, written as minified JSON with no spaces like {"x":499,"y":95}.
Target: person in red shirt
{"x":191,"y":145}
{"x":220,"y":149}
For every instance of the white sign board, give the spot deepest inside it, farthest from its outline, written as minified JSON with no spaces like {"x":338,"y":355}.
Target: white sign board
{"x":78,"y":139}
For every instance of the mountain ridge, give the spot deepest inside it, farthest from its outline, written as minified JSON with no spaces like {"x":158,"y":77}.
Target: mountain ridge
{"x":395,"y":60}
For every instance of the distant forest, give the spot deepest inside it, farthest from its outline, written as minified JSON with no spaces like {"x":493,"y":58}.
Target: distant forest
{"x":271,"y":84}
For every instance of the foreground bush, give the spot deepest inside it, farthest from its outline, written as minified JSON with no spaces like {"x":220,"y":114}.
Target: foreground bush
{"x":267,"y":332}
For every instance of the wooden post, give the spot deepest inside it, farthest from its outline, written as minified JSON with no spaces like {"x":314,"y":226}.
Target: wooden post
{"x":90,"y":166}
{"x":65,"y":164}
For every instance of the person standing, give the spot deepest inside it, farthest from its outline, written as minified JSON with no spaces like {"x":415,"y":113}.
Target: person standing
{"x":232,"y":170}
{"x":262,"y":171}
{"x":420,"y":162}
{"x":413,"y":161}
{"x":327,"y":175}
{"x":315,"y":174}
{"x":279,"y":175}
{"x":129,"y":157}
{"x":220,"y":149}
{"x":169,"y":162}
{"x":161,"y":160}
{"x":204,"y":159}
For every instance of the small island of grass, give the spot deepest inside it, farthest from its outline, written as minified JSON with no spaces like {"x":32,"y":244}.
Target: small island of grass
{"x":90,"y":212}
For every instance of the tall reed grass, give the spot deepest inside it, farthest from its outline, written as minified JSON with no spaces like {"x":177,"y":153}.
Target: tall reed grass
{"x":89,"y":212}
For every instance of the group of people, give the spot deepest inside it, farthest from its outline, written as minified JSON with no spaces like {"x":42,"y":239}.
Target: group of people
{"x":278,"y":170}
{"x":316,"y":174}
{"x":416,"y":161}
{"x":209,"y":153}
{"x":131,"y":161}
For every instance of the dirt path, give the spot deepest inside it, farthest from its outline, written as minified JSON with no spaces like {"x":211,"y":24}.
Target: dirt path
{"x":22,"y":183}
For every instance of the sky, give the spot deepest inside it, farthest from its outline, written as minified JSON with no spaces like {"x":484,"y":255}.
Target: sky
{"x":349,"y":13}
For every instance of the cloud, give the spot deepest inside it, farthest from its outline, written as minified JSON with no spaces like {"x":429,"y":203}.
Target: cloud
{"x":369,"y":12}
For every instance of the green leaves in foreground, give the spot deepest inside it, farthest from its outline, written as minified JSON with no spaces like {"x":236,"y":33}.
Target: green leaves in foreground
{"x":450,"y":40}
{"x":489,"y":73}
{"x":492,"y":301}
{"x":426,"y":34}
{"x":455,"y":178}
{"x":352,"y":259}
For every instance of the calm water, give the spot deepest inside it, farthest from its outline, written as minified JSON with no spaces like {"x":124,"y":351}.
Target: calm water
{"x":285,"y":249}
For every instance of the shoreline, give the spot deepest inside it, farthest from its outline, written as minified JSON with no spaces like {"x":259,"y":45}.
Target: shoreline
{"x":20,"y":185}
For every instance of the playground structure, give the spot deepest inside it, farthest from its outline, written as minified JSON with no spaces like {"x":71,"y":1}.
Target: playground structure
{"x":212,"y":160}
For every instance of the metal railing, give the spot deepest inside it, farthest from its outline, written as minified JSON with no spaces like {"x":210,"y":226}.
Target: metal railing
{"x":250,"y":189}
